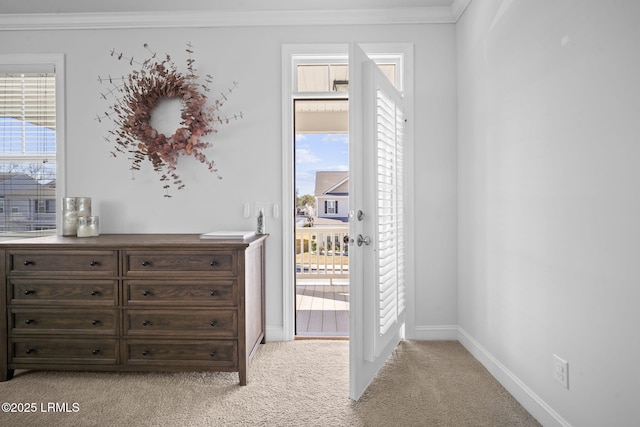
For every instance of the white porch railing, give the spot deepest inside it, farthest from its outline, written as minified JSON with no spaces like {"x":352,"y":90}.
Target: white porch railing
{"x":322,"y":252}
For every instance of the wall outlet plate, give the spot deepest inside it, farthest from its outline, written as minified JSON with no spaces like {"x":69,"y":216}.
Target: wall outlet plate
{"x":561,"y":371}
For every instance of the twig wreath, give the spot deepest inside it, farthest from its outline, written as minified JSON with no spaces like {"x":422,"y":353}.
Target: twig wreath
{"x":136,"y":96}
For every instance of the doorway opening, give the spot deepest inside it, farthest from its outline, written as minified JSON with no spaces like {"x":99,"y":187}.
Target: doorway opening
{"x":321,"y":170}
{"x":322,"y":212}
{"x":318,"y":75}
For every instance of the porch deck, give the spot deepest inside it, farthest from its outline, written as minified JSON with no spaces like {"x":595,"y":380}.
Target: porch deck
{"x":322,"y":308}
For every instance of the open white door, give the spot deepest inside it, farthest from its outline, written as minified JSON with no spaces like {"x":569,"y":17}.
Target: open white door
{"x":376,"y":226}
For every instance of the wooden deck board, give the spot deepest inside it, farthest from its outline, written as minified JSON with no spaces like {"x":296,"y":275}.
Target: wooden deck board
{"x":317,"y":310}
{"x":303,"y":307}
{"x":322,"y":310}
{"x":342,"y":309}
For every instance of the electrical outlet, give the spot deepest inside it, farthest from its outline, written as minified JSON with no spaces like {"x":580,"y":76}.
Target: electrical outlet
{"x":561,"y":371}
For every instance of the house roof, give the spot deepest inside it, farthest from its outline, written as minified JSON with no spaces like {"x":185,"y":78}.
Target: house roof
{"x":332,"y":182}
{"x":20,"y":185}
{"x":6,"y":176}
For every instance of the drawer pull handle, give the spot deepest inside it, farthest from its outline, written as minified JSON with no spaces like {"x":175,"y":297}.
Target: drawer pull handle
{"x":213,"y":323}
{"x":146,"y":323}
{"x":146,"y":293}
{"x":146,"y":263}
{"x":29,"y":292}
{"x":96,"y":351}
{"x":93,"y":263}
{"x":30,"y":350}
{"x":213,"y":293}
{"x":214,"y":263}
{"x":212,"y":354}
{"x":95,"y":322}
{"x":145,"y":352}
{"x":95,"y":293}
{"x":29,"y":321}
{"x":27,"y":262}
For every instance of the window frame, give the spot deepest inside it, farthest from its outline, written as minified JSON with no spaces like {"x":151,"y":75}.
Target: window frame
{"x":54,"y":62}
{"x":331,"y":207}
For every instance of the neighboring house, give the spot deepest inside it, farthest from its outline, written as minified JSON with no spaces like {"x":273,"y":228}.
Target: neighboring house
{"x":332,"y":195}
{"x":26,"y":204}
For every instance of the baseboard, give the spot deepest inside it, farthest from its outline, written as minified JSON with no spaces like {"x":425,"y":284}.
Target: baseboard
{"x":435,"y":332}
{"x":519,"y":390}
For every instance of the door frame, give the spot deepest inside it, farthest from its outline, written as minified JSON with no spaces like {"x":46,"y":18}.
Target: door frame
{"x":406,"y":85}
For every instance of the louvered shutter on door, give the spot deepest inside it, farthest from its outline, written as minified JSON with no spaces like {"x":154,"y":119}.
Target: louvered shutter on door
{"x":390,"y":240}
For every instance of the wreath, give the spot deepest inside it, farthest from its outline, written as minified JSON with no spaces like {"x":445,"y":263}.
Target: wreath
{"x":136,"y":96}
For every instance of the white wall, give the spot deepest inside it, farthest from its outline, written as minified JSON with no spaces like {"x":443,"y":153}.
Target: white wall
{"x":248,"y":152}
{"x":549,"y":204}
{"x":435,"y":184}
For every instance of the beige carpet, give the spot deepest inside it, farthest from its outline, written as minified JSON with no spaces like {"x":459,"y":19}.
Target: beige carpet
{"x":299,"y":383}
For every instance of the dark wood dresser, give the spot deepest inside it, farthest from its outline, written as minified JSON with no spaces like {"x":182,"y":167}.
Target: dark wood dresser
{"x":131,"y":302}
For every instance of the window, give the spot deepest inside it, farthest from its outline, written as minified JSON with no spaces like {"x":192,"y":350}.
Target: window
{"x":28,"y":146}
{"x":334,"y":77}
{"x":322,"y":77}
{"x":331,"y":206}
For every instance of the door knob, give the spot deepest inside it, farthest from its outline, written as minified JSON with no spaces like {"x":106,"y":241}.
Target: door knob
{"x":366,"y":240}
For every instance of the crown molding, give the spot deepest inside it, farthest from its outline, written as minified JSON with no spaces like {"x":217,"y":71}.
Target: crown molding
{"x":458,"y":7}
{"x":230,"y":18}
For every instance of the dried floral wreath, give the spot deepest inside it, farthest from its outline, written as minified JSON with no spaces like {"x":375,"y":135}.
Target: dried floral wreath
{"x":136,"y":96}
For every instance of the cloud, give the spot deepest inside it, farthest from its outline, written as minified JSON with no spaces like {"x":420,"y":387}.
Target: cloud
{"x":305,"y":155}
{"x":337,"y":168}
{"x":341,"y":138}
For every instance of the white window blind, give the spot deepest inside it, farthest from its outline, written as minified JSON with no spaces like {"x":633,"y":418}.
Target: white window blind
{"x":27,"y":153}
{"x":390,"y":124}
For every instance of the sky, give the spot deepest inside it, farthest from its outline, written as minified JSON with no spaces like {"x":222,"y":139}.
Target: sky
{"x":319,"y":152}
{"x":39,"y":139}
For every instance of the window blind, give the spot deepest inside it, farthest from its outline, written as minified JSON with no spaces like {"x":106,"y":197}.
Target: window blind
{"x":390,"y":123}
{"x":27,"y":153}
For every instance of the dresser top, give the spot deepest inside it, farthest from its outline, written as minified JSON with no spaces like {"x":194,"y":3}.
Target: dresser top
{"x":133,"y":241}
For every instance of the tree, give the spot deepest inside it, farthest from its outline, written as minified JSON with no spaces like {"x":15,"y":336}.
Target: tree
{"x":305,"y":200}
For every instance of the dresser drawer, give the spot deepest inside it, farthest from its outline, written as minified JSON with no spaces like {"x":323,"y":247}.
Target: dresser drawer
{"x":213,"y":263}
{"x":85,"y":292}
{"x":62,"y":321}
{"x":63,"y":351}
{"x":131,"y":302}
{"x":181,"y":323}
{"x":210,"y":353}
{"x":63,"y":261}
{"x":181,"y":292}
